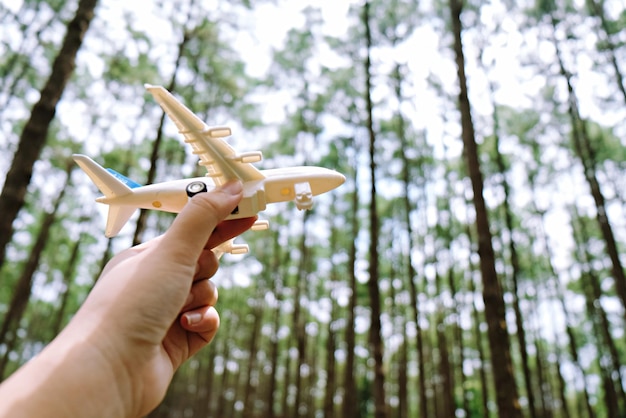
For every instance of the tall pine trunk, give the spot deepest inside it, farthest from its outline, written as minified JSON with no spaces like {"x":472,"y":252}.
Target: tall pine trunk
{"x":499,"y":342}
{"x":349,"y":407}
{"x":276,"y":289}
{"x":375,"y":338}
{"x":156,"y":145}
{"x":253,"y":348}
{"x":458,"y":336}
{"x":586,"y":154}
{"x":583,"y":404}
{"x":330,"y":365}
{"x":22,"y":290}
{"x":35,"y":132}
{"x":68,"y":276}
{"x":597,"y":9}
{"x":445,"y":398}
{"x":515,"y":265}
{"x":299,"y":318}
{"x":410,"y":269}
{"x":598,"y":316}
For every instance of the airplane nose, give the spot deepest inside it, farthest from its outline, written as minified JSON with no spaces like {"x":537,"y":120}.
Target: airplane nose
{"x":332,"y":180}
{"x":338,"y":179}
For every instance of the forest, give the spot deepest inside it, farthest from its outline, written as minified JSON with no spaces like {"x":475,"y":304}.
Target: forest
{"x":470,"y":266}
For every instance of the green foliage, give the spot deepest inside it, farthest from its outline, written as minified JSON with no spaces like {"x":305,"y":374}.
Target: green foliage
{"x":606,"y":146}
{"x":320,"y":79}
{"x":131,"y":70}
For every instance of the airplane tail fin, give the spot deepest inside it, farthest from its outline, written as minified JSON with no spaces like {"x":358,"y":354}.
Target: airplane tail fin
{"x":111,"y":184}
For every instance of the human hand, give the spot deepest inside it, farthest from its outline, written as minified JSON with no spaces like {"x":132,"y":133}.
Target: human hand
{"x":151,"y":309}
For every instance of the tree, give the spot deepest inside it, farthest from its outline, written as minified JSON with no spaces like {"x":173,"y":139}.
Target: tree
{"x":22,"y":291}
{"x":596,"y":8}
{"x":35,"y":132}
{"x":502,"y":365}
{"x":375,"y":339}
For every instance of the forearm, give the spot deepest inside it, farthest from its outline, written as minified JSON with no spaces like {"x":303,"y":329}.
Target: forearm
{"x":70,"y":378}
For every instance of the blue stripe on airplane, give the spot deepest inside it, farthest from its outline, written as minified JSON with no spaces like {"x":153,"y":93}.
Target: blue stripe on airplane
{"x":130,"y":183}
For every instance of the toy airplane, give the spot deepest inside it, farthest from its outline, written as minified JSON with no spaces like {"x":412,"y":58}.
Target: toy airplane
{"x":222,"y":163}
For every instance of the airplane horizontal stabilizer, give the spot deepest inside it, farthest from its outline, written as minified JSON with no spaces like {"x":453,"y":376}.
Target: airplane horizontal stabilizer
{"x":231,"y":248}
{"x":117,"y":218}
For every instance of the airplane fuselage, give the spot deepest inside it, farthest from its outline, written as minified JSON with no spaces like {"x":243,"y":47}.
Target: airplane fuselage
{"x":299,"y":184}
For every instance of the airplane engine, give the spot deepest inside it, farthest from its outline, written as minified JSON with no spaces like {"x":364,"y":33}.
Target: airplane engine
{"x":304,"y":196}
{"x":195,"y":187}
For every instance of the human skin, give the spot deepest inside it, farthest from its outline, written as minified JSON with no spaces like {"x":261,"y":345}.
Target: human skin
{"x":150,"y":311}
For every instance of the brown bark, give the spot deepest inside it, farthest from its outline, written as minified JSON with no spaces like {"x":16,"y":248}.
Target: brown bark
{"x":156,"y":145}
{"x":446,"y":401}
{"x":328,"y":408}
{"x":22,"y":290}
{"x":349,"y":407}
{"x":375,"y":338}
{"x":35,"y":132}
{"x":599,"y":318}
{"x":515,"y":269}
{"x":478,"y":341}
{"x":250,"y":385}
{"x":586,"y":154}
{"x":558,"y":293}
{"x":299,"y":319}
{"x":458,"y":336}
{"x":597,"y":9}
{"x":68,"y":276}
{"x":502,"y":366}
{"x":410,"y":270}
{"x":276,"y":289}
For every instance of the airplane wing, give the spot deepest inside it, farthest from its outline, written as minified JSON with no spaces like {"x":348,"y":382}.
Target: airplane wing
{"x":220,"y":159}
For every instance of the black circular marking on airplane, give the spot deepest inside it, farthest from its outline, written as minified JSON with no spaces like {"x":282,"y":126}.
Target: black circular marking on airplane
{"x":195,"y":187}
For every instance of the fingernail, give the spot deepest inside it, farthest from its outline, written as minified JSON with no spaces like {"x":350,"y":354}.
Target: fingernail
{"x":193,"y":318}
{"x":232,"y":187}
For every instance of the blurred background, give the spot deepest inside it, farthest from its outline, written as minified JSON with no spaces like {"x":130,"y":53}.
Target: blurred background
{"x":470,"y":266}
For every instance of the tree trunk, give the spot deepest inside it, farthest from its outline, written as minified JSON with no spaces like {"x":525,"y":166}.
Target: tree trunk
{"x":35,"y":132}
{"x":156,"y":145}
{"x":477,"y":333}
{"x":597,"y":9}
{"x":276,"y":289}
{"x":328,"y":409}
{"x":502,"y":365}
{"x":446,"y":399}
{"x":221,"y":407}
{"x":598,"y":316}
{"x":410,"y":270}
{"x":586,"y":154}
{"x":515,"y":266}
{"x":375,"y":338}
{"x":22,"y":290}
{"x":545,"y":394}
{"x":350,"y":402}
{"x":250,"y":385}
{"x":68,"y":277}
{"x":458,"y":335}
{"x":562,"y":386}
{"x":559,"y":295}
{"x":299,"y":319}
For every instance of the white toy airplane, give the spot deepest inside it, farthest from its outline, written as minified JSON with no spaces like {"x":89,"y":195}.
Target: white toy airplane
{"x":222,"y":163}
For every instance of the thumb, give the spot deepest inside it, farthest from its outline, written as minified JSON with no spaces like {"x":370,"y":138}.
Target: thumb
{"x":193,"y":226}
